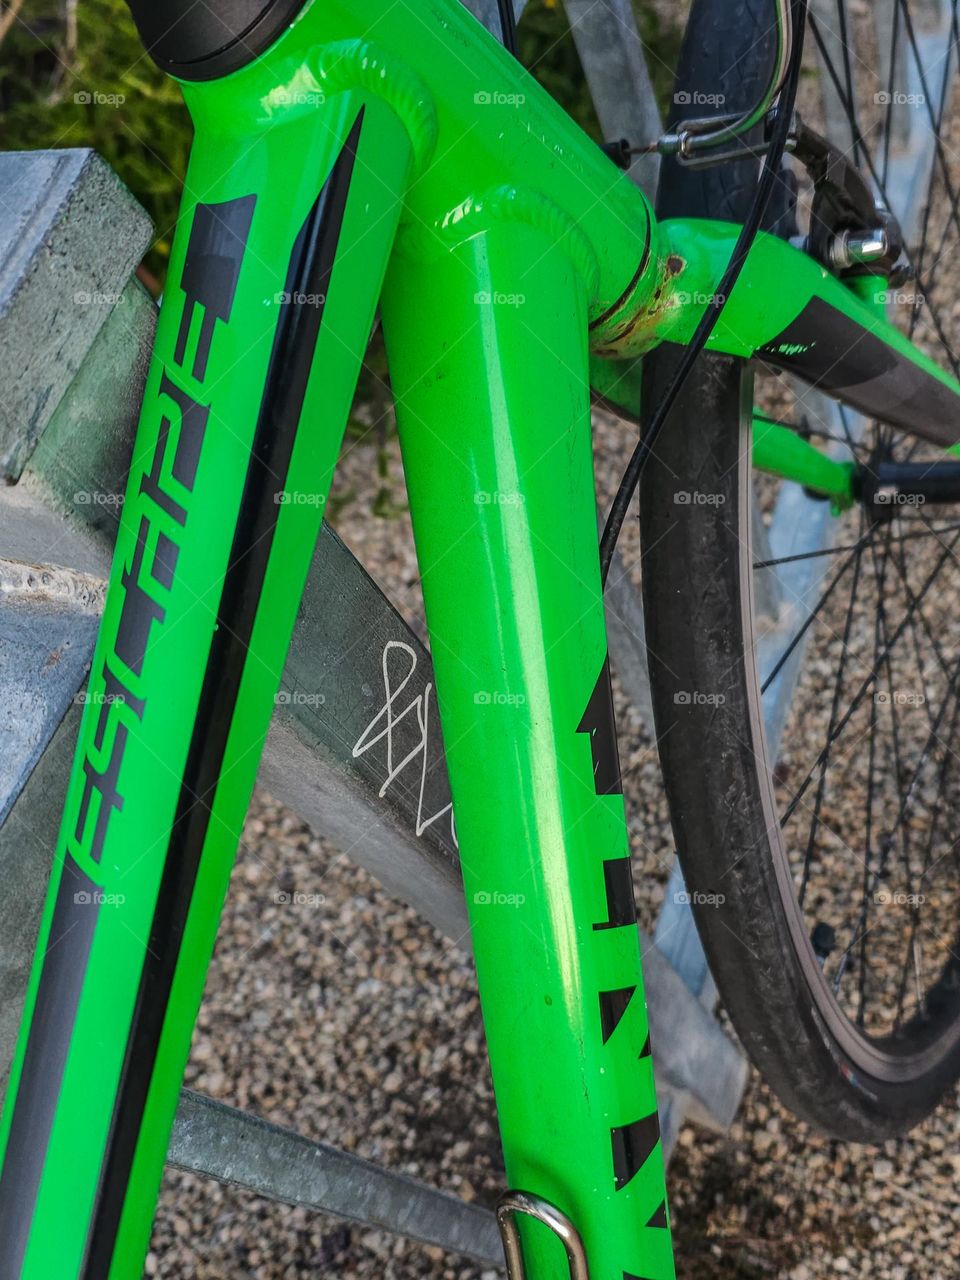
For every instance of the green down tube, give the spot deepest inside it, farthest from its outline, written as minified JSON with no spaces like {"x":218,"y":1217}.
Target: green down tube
{"x":288,"y":218}
{"x":489,"y":369}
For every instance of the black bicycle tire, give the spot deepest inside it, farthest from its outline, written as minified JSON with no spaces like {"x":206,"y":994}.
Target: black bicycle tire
{"x":696,"y":586}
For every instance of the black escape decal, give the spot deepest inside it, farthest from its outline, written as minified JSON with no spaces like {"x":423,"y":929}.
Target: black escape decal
{"x":218,"y":240}
{"x":78,"y":899}
{"x":828,"y":349}
{"x":211,"y":270}
{"x":291,"y":360}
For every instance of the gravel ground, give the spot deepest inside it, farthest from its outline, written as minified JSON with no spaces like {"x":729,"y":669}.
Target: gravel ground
{"x":359,"y":1025}
{"x":356,"y":1023}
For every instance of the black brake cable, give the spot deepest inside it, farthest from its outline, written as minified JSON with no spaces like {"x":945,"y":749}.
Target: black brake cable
{"x":770,"y":173}
{"x":508,"y":27}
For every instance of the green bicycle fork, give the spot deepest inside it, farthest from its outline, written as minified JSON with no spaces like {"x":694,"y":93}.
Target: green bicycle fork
{"x":495,"y":433}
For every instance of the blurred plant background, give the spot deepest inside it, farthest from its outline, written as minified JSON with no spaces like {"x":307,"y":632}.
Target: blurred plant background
{"x":74,"y":74}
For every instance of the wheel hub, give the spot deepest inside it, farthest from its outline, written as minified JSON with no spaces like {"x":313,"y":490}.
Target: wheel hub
{"x":886,"y":486}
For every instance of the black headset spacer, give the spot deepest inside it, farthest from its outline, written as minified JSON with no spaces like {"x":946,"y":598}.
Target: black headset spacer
{"x":205,"y":41}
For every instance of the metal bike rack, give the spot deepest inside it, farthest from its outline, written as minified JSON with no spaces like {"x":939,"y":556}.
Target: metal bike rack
{"x":75,"y":335}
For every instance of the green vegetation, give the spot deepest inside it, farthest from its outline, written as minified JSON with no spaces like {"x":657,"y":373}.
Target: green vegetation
{"x":75,"y":75}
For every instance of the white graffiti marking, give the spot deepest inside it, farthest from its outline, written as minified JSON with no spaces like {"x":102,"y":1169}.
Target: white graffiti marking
{"x":387,"y":719}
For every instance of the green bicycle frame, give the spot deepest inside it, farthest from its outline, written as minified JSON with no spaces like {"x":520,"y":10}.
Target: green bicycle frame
{"x":373,"y":154}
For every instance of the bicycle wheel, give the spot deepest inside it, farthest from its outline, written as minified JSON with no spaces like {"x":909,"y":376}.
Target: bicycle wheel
{"x":806,"y":692}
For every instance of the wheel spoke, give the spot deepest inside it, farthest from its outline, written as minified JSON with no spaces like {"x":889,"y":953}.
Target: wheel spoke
{"x":867,"y":683}
{"x":834,"y":712}
{"x":929,"y":532}
{"x":814,"y":614}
